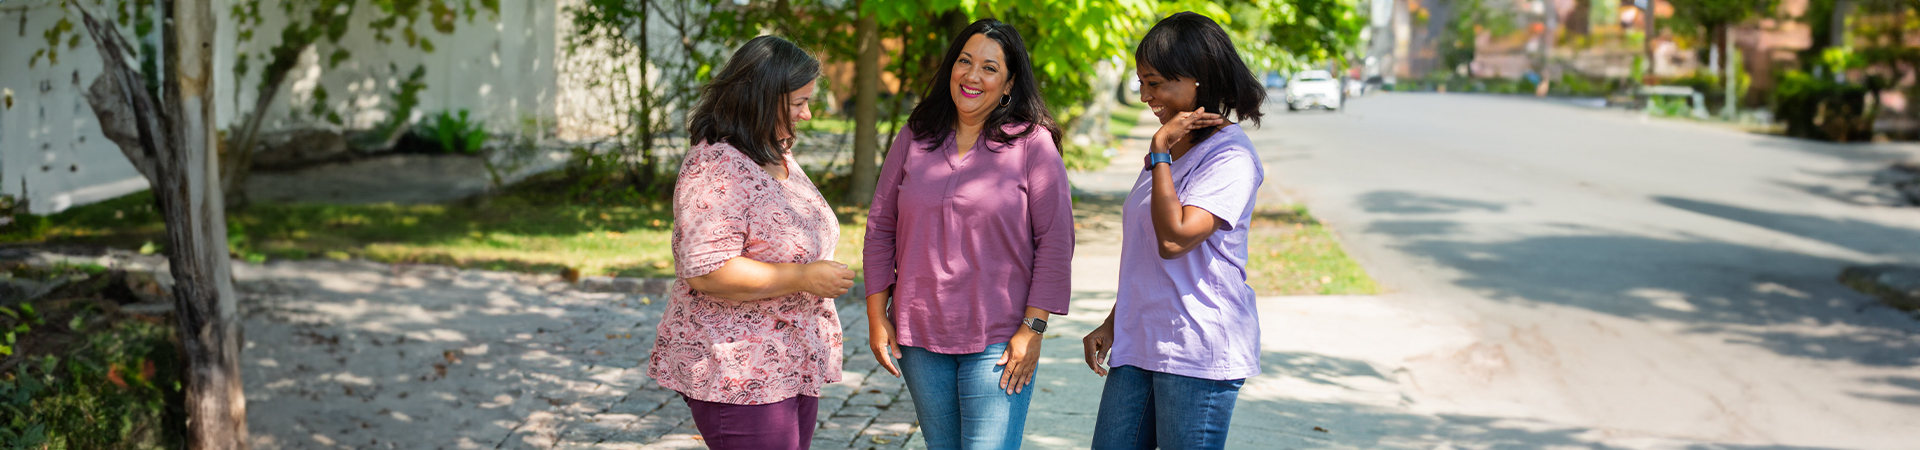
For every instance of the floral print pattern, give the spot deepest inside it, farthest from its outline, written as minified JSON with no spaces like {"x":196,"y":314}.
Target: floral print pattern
{"x":753,"y":352}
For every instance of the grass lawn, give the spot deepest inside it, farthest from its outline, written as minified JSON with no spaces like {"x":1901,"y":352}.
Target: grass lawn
{"x":1290,"y":253}
{"x":530,"y":228}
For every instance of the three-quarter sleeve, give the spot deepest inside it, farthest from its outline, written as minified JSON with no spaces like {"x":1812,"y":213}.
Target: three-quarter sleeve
{"x":711,"y":211}
{"x":878,"y":257}
{"x":1050,"y":213}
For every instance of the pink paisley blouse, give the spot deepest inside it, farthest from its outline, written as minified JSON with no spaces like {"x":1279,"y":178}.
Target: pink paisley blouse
{"x":753,"y":352}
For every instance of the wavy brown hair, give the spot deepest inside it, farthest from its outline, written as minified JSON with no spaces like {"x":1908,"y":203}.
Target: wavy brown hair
{"x":932,"y":120}
{"x":745,"y":104}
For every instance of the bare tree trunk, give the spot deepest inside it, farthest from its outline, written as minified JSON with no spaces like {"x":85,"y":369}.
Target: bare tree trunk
{"x":649,"y":168}
{"x":237,"y":163}
{"x":197,"y":228}
{"x":171,"y":143}
{"x":866,"y":81}
{"x":1580,"y":19}
{"x":1647,"y":16}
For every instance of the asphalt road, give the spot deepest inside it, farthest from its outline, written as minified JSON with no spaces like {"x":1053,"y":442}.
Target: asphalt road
{"x":1565,"y":276}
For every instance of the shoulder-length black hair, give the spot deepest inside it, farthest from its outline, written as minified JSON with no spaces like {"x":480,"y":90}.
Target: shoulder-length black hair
{"x":746,"y":103}
{"x":932,"y":120}
{"x":1191,"y":46}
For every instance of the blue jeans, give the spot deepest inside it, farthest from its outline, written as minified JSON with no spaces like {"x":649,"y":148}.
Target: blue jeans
{"x":959,"y":400}
{"x":1141,"y":409}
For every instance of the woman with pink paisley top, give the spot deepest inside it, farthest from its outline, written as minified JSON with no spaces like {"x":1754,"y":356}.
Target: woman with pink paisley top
{"x":750,"y":333}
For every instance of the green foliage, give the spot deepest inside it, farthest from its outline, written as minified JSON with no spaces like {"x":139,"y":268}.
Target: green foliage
{"x":117,"y":389}
{"x":18,"y":222}
{"x":644,"y":87}
{"x":1701,"y":16}
{"x":1085,"y":158}
{"x":1669,"y":106}
{"x":455,"y":133}
{"x":1820,"y":108}
{"x":322,"y":23}
{"x":600,"y":178}
{"x":1312,"y":30}
{"x":1462,"y":34}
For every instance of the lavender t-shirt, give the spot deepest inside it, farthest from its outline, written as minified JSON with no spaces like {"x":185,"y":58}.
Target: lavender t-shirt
{"x":1192,"y":315}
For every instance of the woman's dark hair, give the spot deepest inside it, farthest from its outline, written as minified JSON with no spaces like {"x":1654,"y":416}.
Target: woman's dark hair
{"x":746,"y":103}
{"x":932,"y":120}
{"x":1191,"y":46}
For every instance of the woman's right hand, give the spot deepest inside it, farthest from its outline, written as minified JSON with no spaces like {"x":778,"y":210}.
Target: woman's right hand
{"x":880,"y":337}
{"x":1097,"y":344}
{"x":1176,"y":130}
{"x":826,"y":278}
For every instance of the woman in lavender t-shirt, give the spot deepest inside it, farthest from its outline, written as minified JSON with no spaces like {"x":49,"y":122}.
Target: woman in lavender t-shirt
{"x":1183,"y":335}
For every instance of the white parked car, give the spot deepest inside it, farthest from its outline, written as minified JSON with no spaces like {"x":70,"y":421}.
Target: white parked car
{"x":1313,"y":88}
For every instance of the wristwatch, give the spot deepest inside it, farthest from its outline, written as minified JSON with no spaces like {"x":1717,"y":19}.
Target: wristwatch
{"x":1038,"y":326}
{"x":1156,"y":158}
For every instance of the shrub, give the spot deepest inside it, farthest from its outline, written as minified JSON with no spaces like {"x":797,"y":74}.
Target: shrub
{"x":455,"y":133}
{"x":1817,"y":108}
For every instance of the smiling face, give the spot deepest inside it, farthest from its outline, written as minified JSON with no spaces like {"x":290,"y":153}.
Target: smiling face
{"x":979,"y":78}
{"x":799,"y":108}
{"x":1166,"y":95}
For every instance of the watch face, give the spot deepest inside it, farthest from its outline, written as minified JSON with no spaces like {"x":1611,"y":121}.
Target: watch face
{"x":1038,"y":326}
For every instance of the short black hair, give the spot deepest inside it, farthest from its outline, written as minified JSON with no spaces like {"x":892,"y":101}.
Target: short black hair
{"x":745,"y":104}
{"x":1186,"y":45}
{"x":932,"y":120}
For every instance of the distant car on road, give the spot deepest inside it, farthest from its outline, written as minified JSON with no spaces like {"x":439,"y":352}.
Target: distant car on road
{"x":1275,"y":81}
{"x":1313,"y":88}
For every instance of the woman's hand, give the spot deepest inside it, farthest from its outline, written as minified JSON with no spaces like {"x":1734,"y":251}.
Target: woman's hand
{"x":1097,"y":344}
{"x":826,"y":278}
{"x":880,"y":337}
{"x":1022,"y":355}
{"x":1175,"y":131}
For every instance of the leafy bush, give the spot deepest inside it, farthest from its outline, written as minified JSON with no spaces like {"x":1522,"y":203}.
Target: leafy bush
{"x":16,"y":224}
{"x":455,"y":133}
{"x":602,"y":177}
{"x":86,"y":378}
{"x":1085,"y":158}
{"x":1818,"y":108}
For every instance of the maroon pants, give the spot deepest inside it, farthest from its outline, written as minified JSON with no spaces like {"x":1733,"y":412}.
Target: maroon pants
{"x":785,"y":424}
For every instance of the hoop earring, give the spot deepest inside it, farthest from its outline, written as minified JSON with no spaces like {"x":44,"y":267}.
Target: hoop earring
{"x":1005,"y":99}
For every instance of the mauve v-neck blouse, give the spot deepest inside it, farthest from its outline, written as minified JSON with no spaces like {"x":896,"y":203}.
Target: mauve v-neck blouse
{"x":968,"y":242}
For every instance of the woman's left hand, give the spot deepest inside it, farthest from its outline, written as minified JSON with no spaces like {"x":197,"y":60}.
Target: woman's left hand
{"x":1023,"y":354}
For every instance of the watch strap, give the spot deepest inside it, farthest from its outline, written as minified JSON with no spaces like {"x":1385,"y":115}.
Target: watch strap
{"x":1157,"y":158}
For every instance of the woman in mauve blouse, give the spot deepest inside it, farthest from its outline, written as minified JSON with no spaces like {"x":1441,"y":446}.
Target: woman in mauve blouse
{"x":968,"y":243}
{"x":750,"y":332}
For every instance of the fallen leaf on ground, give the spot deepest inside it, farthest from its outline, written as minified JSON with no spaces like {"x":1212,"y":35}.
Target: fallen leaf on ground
{"x":451,"y":356}
{"x":1322,"y":430}
{"x":878,"y":440}
{"x":440,"y":369}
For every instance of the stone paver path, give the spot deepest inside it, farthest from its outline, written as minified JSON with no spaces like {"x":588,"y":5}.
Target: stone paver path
{"x":366,"y":355}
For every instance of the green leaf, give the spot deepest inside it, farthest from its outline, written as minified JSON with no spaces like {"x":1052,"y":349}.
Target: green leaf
{"x":337,"y":56}
{"x":9,"y":312}
{"x":78,"y":323}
